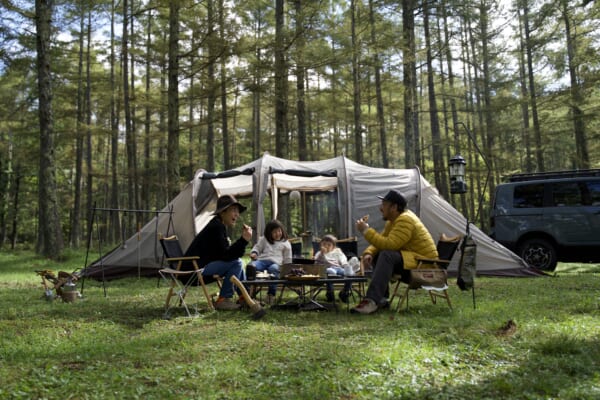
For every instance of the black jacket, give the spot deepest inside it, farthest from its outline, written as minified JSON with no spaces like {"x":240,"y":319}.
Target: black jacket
{"x":212,"y":244}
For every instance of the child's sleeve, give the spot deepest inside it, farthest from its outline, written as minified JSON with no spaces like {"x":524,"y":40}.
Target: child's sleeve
{"x":258,"y":247}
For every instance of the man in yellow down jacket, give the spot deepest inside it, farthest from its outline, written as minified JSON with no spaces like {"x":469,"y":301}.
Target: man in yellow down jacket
{"x":393,"y":251}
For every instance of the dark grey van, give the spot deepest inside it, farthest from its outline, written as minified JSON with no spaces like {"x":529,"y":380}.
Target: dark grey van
{"x":549,"y":217}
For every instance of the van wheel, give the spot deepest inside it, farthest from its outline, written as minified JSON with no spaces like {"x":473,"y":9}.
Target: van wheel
{"x":538,"y":253}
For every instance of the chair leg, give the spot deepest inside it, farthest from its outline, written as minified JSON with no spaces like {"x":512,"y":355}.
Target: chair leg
{"x":435,"y":294}
{"x":403,"y":298}
{"x":178,"y":290}
{"x":447,"y":299}
{"x":205,"y":290}
{"x":395,"y":291}
{"x":169,"y":295}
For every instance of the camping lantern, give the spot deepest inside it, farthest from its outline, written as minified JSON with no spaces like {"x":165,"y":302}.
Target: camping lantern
{"x":457,"y":165}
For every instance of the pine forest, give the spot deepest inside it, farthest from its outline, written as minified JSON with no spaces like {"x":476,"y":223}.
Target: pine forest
{"x":116,"y":104}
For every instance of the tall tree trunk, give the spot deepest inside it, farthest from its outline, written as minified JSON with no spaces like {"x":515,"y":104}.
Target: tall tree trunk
{"x":300,"y":94}
{"x":582,"y":159}
{"x":281,"y":83}
{"x":488,"y":131}
{"x":88,"y":119}
{"x":438,"y":158}
{"x":337,"y":136}
{"x":115,"y":222}
{"x":50,"y":239}
{"x":147,"y":175}
{"x":539,"y":151}
{"x":256,"y":85}
{"x":223,"y":81}
{"x":256,"y":81}
{"x":211,"y":86}
{"x":173,"y":101}
{"x":524,"y":100}
{"x":470,"y":75}
{"x":6,"y":177}
{"x":132,"y":106}
{"x":129,"y":134}
{"x":356,"y":103}
{"x":412,"y":157}
{"x":15,"y":211}
{"x":378,"y":90}
{"x":163,"y":169}
{"x":191,"y":104}
{"x":76,"y":212}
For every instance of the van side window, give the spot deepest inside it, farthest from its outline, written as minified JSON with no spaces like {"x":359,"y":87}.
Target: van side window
{"x":528,"y":196}
{"x":566,"y":194}
{"x":593,"y":188}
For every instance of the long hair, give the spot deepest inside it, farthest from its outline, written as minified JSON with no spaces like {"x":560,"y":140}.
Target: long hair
{"x":270,"y":227}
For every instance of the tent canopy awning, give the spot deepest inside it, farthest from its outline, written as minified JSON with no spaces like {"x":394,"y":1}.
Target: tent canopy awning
{"x":285,"y":182}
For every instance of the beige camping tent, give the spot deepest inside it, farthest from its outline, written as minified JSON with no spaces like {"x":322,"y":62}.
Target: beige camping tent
{"x":263,"y":184}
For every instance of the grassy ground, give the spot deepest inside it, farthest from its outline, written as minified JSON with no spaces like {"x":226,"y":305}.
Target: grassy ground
{"x":117,"y":346}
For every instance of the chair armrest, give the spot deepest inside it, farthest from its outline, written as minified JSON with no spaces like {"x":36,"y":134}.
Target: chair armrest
{"x":431,"y":260}
{"x":176,"y":271}
{"x":187,"y":258}
{"x":348,"y":240}
{"x":428,"y":261}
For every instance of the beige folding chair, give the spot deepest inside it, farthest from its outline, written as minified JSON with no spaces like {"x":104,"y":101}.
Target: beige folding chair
{"x":181,"y":273}
{"x":430,"y":273}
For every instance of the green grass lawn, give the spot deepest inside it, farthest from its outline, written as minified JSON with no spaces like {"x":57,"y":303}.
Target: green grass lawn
{"x":118,"y":346}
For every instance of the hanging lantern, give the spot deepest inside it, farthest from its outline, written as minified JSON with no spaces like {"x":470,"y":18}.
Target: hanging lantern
{"x":456,"y":167}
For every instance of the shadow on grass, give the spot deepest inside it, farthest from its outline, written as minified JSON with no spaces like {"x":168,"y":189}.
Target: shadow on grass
{"x":559,"y":367}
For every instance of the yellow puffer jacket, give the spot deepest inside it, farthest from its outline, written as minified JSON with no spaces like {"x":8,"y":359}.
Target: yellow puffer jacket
{"x":407,"y":234}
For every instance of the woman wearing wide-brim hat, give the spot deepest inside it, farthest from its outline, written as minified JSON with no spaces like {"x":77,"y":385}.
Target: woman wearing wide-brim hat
{"x":217,"y":254}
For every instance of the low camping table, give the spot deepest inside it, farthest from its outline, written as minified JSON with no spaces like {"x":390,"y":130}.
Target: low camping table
{"x":305,"y":289}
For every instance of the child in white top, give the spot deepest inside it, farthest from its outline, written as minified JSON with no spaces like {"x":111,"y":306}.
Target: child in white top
{"x":336,"y":261}
{"x":272,"y":250}
{"x":331,"y":255}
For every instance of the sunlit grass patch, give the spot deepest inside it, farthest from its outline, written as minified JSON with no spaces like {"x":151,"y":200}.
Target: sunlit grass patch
{"x":114,"y":343}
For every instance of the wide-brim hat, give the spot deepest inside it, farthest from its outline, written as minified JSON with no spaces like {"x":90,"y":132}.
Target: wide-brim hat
{"x":395,"y":197}
{"x":226,"y":201}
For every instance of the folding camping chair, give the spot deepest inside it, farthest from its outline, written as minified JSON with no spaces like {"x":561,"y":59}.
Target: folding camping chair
{"x":180,"y":273}
{"x":430,"y":273}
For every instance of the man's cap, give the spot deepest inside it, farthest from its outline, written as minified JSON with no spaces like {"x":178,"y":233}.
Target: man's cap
{"x":226,"y":201}
{"x":394,"y":196}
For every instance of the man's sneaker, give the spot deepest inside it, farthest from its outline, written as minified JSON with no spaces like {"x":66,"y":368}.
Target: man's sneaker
{"x":225,"y":303}
{"x":367,"y":306}
{"x":344,"y":296}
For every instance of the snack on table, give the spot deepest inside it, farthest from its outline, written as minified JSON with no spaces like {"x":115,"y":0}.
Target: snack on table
{"x":297,"y":272}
